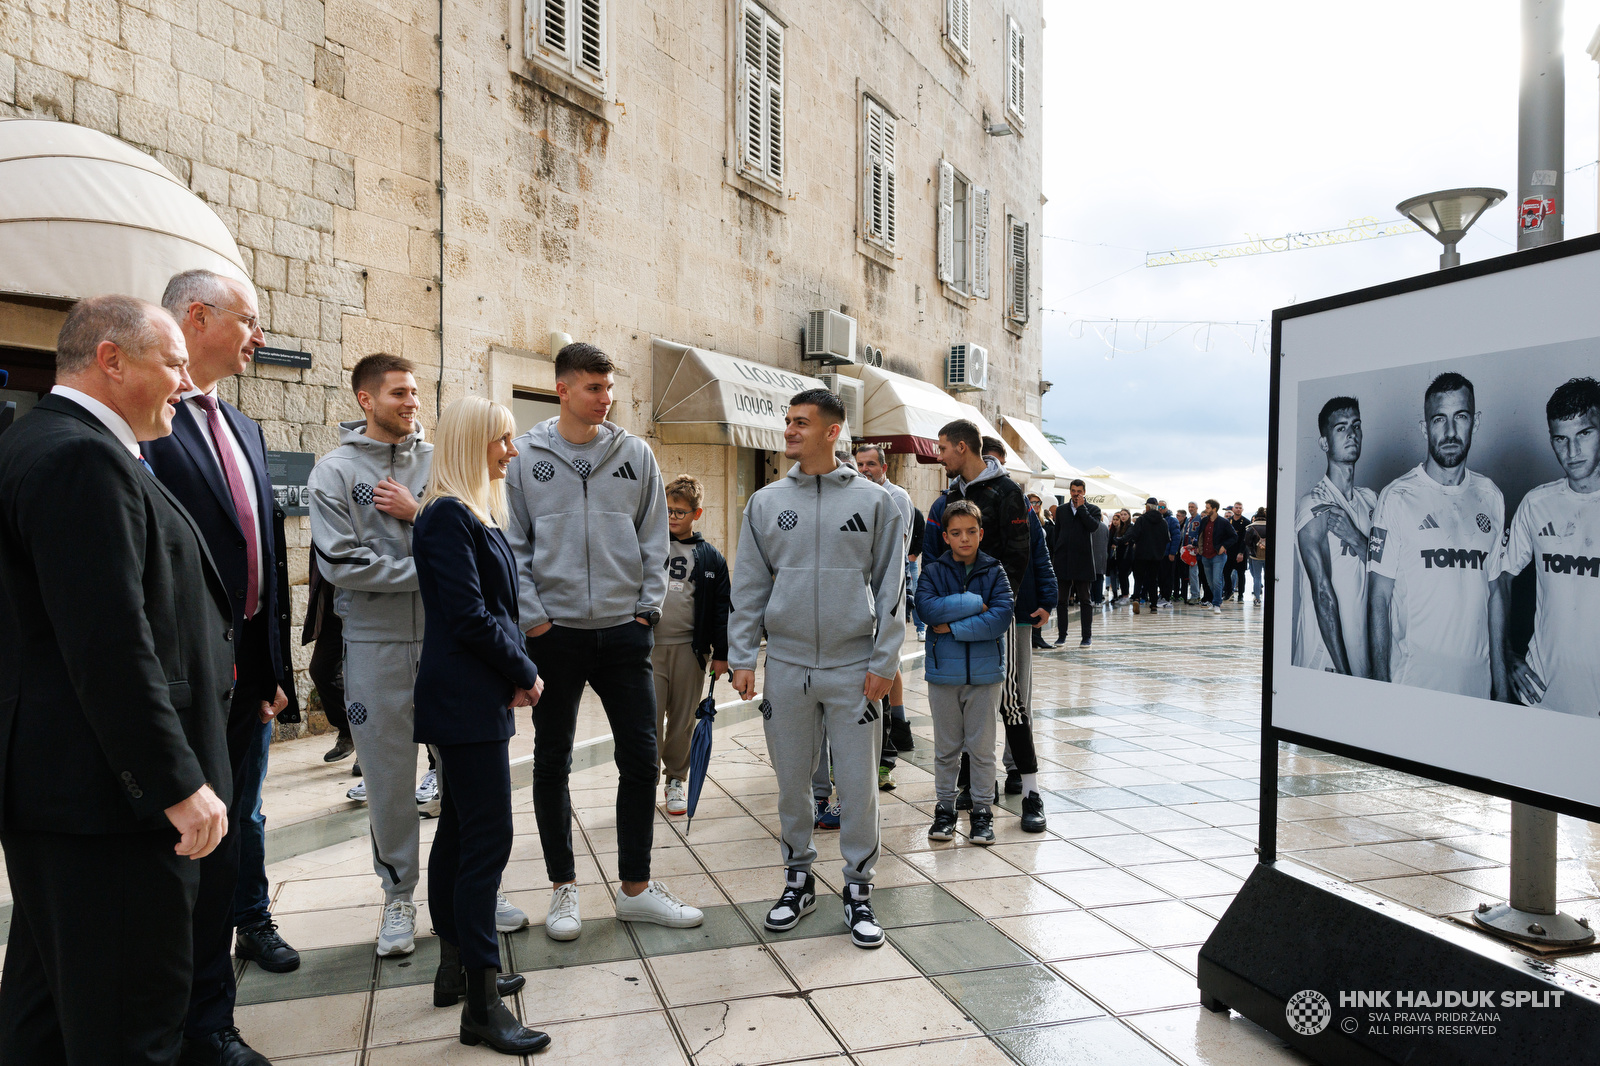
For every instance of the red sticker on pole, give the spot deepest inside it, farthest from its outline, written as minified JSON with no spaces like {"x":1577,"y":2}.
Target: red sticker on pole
{"x":1534,"y":210}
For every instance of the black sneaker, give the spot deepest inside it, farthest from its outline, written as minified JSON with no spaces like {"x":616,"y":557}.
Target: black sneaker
{"x":865,"y":932}
{"x":798,"y":899}
{"x":1033,"y":813}
{"x":900,"y":733}
{"x":341,"y":748}
{"x":1013,"y":783}
{"x":964,"y":799}
{"x":261,"y":944}
{"x":355,"y":770}
{"x":944,"y":823}
{"x":980,"y":827}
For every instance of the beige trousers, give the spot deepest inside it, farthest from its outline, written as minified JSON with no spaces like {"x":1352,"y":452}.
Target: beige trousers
{"x":680,"y":686}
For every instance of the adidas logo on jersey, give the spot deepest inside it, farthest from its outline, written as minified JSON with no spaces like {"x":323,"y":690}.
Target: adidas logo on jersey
{"x":855,"y":525}
{"x":1582,"y":565}
{"x":1429,"y":523}
{"x":1549,"y":530}
{"x":871,"y":715}
{"x":625,"y":471}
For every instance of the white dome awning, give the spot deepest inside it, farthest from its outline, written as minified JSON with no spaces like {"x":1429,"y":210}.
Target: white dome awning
{"x":82,"y":213}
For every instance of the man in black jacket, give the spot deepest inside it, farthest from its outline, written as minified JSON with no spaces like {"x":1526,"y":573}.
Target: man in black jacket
{"x":1237,"y":564}
{"x":1150,"y":536}
{"x":215,"y":463}
{"x":116,"y":671}
{"x":1077,"y":520}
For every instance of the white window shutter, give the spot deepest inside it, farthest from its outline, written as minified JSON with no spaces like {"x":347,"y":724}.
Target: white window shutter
{"x":958,"y":25}
{"x":978,"y":209}
{"x":947,"y":237}
{"x":1017,"y":270}
{"x":553,"y":28}
{"x":888,"y":178}
{"x":591,"y":43}
{"x":752,"y":109}
{"x":1016,"y":70}
{"x":772,"y":96}
{"x":878,"y":182}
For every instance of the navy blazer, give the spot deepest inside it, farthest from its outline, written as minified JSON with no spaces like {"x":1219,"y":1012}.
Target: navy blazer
{"x":472,"y":649}
{"x":186,"y":464}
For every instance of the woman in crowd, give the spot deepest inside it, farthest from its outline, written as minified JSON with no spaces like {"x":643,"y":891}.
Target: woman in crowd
{"x":472,"y":673}
{"x":1120,"y":565}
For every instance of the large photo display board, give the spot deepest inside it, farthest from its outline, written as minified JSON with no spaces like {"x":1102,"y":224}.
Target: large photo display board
{"x":1436,"y":516}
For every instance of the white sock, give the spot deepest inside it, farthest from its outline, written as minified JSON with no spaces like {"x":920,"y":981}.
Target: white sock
{"x":1030,"y":783}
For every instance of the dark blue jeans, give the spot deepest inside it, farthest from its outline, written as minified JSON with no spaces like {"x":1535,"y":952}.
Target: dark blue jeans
{"x":471,"y":848}
{"x":615,"y":662}
{"x":250,"y":905}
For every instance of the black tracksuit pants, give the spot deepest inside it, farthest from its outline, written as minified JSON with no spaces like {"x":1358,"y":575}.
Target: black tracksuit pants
{"x":471,"y":848}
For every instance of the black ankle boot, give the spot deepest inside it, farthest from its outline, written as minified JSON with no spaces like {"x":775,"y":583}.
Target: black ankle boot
{"x":486,"y":1020}
{"x":450,"y":980}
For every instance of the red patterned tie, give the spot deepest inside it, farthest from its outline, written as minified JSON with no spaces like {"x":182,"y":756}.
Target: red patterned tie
{"x":241,"y":499}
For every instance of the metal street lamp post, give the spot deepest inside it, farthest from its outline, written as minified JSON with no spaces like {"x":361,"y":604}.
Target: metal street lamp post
{"x":1448,"y":214}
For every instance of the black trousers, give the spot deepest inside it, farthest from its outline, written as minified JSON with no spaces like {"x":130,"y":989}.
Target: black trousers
{"x":1147,"y":580}
{"x":327,"y":670}
{"x":615,"y":662}
{"x":1085,"y":610}
{"x":99,"y":959}
{"x":211,"y":998}
{"x":471,"y":848}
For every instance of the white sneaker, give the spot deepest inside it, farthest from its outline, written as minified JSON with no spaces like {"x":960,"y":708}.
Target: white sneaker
{"x":659,"y":907}
{"x":677,"y":797}
{"x":508,"y":917}
{"x":357,"y":791}
{"x":922,"y":636}
{"x":428,"y":791}
{"x":562,"y":921}
{"x":399,"y":931}
{"x":1258,"y":601}
{"x":1215,"y":609}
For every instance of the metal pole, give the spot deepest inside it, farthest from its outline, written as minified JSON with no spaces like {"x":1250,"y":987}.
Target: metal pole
{"x":1449,"y":257}
{"x":1531,"y":914}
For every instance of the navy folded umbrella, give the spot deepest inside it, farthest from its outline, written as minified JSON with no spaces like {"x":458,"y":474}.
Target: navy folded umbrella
{"x":700,"y":748}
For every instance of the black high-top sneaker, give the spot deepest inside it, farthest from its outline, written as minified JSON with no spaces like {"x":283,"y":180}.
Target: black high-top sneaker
{"x":1033,"y":813}
{"x":980,"y":829}
{"x":865,"y":932}
{"x":944,"y":823}
{"x":798,"y":899}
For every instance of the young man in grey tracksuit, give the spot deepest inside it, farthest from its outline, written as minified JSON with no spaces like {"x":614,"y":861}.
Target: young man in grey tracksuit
{"x":589,"y":530}
{"x":821,"y":569}
{"x":364,"y":497}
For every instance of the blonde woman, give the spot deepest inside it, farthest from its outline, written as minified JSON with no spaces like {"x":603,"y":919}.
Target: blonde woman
{"x":473,"y":671}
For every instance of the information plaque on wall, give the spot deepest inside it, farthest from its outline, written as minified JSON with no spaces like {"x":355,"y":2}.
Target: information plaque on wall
{"x":289,"y":472}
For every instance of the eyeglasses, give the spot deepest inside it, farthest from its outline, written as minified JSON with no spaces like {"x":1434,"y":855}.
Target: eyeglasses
{"x":679,"y":514}
{"x":250,"y":320}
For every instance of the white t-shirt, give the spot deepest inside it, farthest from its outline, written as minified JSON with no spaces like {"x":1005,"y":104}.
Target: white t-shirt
{"x":1441,"y":547}
{"x":1558,"y":530}
{"x":1348,"y":574}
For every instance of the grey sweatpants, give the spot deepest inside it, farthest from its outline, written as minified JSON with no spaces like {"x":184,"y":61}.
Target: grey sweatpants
{"x":378,"y":681}
{"x":680,"y":686}
{"x":963,"y":719}
{"x":798,"y":705}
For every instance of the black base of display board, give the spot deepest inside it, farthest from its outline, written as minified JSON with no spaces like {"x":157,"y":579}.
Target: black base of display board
{"x":1347,"y":977}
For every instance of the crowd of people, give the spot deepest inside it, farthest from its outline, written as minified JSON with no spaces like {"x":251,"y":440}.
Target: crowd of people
{"x":456,"y":582}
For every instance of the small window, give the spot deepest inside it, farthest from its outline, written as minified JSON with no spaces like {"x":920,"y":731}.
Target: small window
{"x":958,"y":26}
{"x":568,"y":36}
{"x":963,"y":252}
{"x":878,"y":174}
{"x":1016,"y":72}
{"x":759,"y":114}
{"x":1016,"y":270}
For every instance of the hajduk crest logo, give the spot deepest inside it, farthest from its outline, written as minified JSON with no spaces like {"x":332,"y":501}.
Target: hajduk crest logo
{"x":787,"y":520}
{"x":1308,"y":1012}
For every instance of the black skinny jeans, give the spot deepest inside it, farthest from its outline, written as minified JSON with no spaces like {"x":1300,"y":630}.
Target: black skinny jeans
{"x":1085,"y":609}
{"x":327,"y":670}
{"x":471,"y":848}
{"x":615,"y":662}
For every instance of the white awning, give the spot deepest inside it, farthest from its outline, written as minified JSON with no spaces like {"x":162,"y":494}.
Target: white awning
{"x":1029,"y":438}
{"x":82,"y":213}
{"x":705,"y":397}
{"x":905,"y":415}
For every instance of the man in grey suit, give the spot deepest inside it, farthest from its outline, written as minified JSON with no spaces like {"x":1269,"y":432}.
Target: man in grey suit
{"x":116,"y":671}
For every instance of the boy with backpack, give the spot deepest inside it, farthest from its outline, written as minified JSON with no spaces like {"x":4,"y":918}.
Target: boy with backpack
{"x":964,"y":599}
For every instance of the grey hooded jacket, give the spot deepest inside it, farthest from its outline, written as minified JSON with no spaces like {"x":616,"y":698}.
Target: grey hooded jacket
{"x":821,"y":568}
{"x":591,"y":551}
{"x":363,"y":552}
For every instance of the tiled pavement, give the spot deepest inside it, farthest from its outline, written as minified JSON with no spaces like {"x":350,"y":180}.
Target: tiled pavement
{"x":1075,"y":947}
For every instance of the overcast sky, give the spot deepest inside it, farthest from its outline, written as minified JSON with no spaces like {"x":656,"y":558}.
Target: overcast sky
{"x":1171,"y":125}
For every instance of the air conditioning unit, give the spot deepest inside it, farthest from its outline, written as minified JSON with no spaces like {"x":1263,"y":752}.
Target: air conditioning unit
{"x":967,"y":369}
{"x":830,"y":337}
{"x":851,"y":391}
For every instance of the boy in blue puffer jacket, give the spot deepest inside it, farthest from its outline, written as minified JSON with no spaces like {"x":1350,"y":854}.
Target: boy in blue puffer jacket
{"x":964,"y":599}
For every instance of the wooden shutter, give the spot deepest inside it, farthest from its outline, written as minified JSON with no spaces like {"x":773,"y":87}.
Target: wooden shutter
{"x":878,"y":186}
{"x":752,"y":111}
{"x":1016,"y":270}
{"x":947,"y":237}
{"x":553,"y":28}
{"x":1016,"y":70}
{"x":772,"y":97}
{"x":591,"y":41}
{"x":978,"y":211}
{"x":958,"y":25}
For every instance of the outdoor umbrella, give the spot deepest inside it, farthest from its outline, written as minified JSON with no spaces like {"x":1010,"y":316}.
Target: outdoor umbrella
{"x":700,"y":748}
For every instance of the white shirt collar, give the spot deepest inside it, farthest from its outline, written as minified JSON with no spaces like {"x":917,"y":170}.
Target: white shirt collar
{"x":109,"y":418}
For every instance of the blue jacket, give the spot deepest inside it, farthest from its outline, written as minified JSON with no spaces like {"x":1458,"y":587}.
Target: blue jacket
{"x":974,"y":651}
{"x":472,"y":649}
{"x":1040,"y":590}
{"x":1175,"y":541}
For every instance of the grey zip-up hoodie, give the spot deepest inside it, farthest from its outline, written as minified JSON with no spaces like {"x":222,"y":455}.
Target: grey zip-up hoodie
{"x":363,"y":552}
{"x":821,"y":565}
{"x":591,"y":551}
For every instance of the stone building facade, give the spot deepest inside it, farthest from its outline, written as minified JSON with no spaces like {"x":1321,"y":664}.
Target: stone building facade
{"x":458,"y":180}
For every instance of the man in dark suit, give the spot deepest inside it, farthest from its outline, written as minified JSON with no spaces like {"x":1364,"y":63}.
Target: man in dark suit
{"x":215,"y":463}
{"x":116,"y":671}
